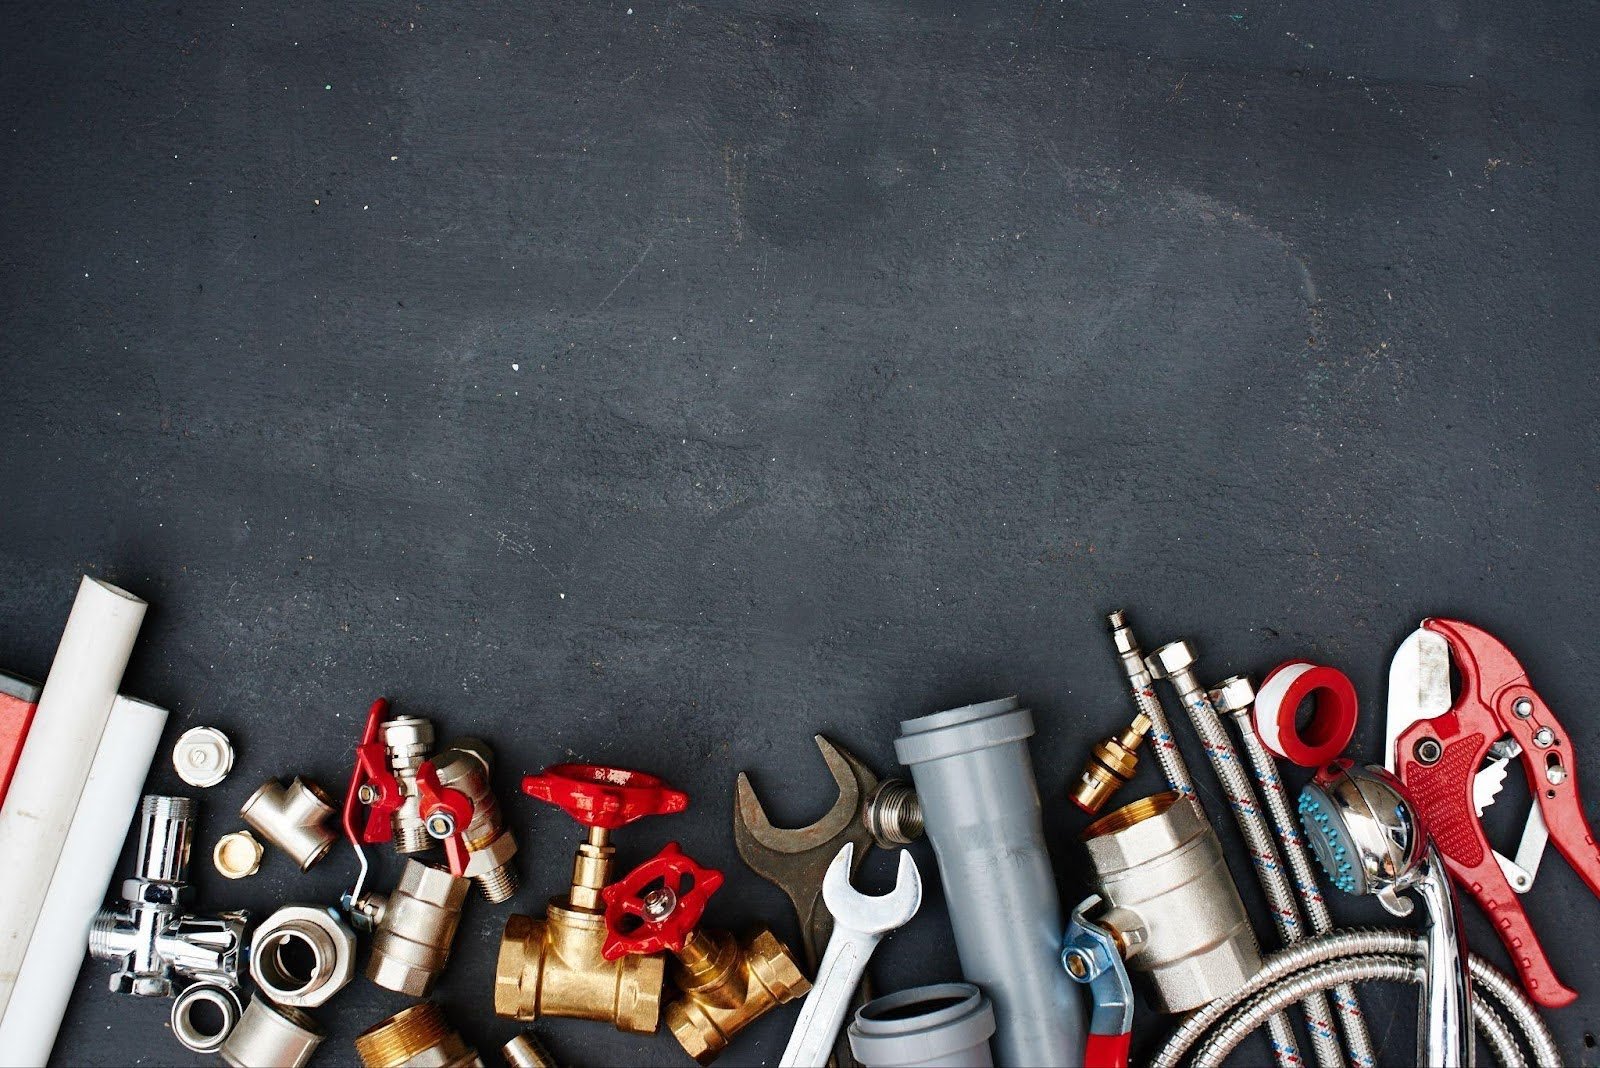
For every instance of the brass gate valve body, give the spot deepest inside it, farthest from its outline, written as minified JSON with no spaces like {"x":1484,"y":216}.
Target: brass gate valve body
{"x":556,"y":966}
{"x":725,"y":984}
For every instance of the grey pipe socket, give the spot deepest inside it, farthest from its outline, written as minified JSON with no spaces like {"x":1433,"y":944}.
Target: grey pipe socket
{"x":947,"y":1024}
{"x":980,"y":808}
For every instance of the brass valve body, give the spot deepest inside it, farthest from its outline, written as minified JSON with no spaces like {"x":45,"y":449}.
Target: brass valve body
{"x":1111,"y":764}
{"x":726,"y":986}
{"x":553,"y":967}
{"x":418,"y":1037}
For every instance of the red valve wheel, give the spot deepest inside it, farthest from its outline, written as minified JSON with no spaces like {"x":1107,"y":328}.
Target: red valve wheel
{"x":598,"y":796}
{"x":657,"y":905}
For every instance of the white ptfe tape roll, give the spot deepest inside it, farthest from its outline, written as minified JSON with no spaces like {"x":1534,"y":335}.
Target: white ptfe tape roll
{"x":56,"y":756}
{"x":88,"y":862}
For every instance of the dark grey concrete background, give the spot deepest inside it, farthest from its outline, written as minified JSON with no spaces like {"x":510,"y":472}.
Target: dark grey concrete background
{"x":659,"y":385}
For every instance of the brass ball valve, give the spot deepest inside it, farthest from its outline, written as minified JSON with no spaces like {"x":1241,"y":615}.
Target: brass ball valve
{"x":726,"y":984}
{"x":555,"y":966}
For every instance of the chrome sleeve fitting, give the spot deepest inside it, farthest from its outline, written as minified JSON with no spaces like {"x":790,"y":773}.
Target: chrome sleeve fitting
{"x":525,"y":1051}
{"x":190,"y":1033}
{"x":1171,"y":903}
{"x":294,"y":820}
{"x":490,"y":845}
{"x":408,"y":741}
{"x":418,"y":1037}
{"x":150,"y":938}
{"x":412,"y":942}
{"x":268,"y":1034}
{"x":302,"y":955}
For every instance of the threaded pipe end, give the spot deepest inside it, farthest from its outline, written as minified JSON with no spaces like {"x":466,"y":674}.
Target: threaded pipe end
{"x":411,"y":838}
{"x":402,"y":1036}
{"x":894,"y":815}
{"x":102,"y":936}
{"x":499,"y":884}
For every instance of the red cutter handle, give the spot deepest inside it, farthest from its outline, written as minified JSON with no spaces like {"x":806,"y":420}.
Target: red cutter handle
{"x":1494,"y":687}
{"x":657,"y":905}
{"x":598,"y":796}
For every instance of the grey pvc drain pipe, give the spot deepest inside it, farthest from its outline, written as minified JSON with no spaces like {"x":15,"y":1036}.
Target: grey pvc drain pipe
{"x":980,"y":806}
{"x":947,"y":1024}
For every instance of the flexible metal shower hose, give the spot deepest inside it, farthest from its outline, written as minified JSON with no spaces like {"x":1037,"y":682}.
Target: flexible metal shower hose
{"x":1166,"y":746}
{"x":1379,"y":953}
{"x":1281,"y":901}
{"x":1358,"y":1043}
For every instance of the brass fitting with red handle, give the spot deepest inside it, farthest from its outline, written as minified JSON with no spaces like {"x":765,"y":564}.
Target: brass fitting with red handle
{"x":726,"y":984}
{"x":556,"y":966}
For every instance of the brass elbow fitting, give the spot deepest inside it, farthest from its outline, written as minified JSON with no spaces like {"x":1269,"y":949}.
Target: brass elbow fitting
{"x":415,"y":928}
{"x":727,"y":985}
{"x":416,"y":1036}
{"x":554,"y":966}
{"x":408,"y":740}
{"x":1111,"y":764}
{"x":294,"y":820}
{"x":490,"y":845}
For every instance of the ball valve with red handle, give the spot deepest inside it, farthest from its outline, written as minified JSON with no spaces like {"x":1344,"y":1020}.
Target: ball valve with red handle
{"x":726,"y":983}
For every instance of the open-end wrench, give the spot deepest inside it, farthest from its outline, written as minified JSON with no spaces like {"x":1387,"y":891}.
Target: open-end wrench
{"x":796,"y":859}
{"x":859,"y":921}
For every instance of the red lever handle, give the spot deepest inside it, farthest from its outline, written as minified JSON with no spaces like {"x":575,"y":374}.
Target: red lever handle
{"x":445,"y":812}
{"x":598,"y":796}
{"x":1107,"y":1051}
{"x":372,"y":784}
{"x":657,"y":905}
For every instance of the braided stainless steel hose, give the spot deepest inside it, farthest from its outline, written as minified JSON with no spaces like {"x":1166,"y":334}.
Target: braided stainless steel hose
{"x":1145,"y":700}
{"x":1374,"y":968}
{"x":1235,"y":697}
{"x":1488,"y":982}
{"x":1175,"y":663}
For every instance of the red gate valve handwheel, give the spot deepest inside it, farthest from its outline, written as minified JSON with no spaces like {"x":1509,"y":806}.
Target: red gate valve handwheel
{"x":657,"y":905}
{"x":598,"y":796}
{"x":445,"y":813}
{"x":372,"y":784}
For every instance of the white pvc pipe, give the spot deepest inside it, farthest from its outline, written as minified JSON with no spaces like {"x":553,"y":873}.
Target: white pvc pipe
{"x":55,"y":762}
{"x":78,"y":890}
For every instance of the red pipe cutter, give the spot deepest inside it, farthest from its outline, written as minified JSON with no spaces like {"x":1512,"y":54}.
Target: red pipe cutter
{"x":1452,"y":756}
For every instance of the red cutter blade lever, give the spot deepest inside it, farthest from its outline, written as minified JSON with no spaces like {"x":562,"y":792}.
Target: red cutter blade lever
{"x":1437,"y":759}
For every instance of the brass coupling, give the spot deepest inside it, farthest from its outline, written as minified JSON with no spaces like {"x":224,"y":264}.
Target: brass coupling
{"x":294,"y":820}
{"x":1111,"y":764}
{"x":408,"y":741}
{"x":555,"y":967}
{"x":416,"y":926}
{"x":465,"y":766}
{"x":727,"y":985}
{"x":418,"y":1037}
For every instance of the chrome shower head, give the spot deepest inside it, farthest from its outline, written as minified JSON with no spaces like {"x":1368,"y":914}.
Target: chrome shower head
{"x":1365,"y":833}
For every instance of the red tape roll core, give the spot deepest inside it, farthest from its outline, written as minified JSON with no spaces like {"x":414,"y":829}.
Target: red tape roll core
{"x":1333,"y":716}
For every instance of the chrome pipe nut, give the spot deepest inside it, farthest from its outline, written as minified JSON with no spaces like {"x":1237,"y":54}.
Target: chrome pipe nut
{"x":302,"y":955}
{"x":194,"y":1034}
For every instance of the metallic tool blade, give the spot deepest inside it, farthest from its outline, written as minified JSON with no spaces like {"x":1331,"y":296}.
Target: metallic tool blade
{"x":1419,"y":686}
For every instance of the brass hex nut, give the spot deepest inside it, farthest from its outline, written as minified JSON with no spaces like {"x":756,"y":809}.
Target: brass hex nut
{"x":237,"y":855}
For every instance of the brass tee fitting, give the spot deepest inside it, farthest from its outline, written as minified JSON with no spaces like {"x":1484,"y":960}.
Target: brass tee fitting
{"x":418,"y":1037}
{"x":295,"y":820}
{"x":490,"y":845}
{"x":554,"y":966}
{"x":415,"y":928}
{"x":408,"y":740}
{"x":1111,"y":764}
{"x":726,"y":986}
